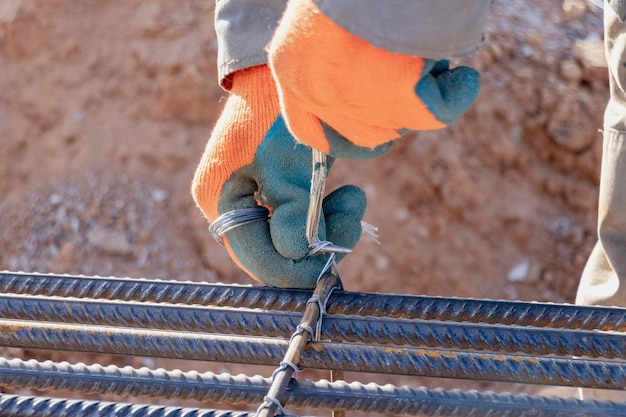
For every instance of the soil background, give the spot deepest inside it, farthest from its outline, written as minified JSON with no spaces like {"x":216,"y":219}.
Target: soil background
{"x":106,"y":106}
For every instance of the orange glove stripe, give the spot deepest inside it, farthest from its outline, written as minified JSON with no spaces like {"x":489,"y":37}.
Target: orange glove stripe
{"x":337,"y":76}
{"x":250,"y":111}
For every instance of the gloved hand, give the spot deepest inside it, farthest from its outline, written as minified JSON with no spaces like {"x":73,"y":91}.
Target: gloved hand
{"x":252,"y":160}
{"x":338,"y":91}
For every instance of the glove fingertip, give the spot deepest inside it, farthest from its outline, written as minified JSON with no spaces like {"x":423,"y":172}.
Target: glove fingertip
{"x":348,"y":199}
{"x":449,"y":94}
{"x":459,"y":88}
{"x":343,"y":209}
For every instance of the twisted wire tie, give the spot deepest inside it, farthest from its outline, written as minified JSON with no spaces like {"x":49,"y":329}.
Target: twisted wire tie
{"x":284,"y":365}
{"x":322,"y":310}
{"x":267,"y":403}
{"x":301,"y":329}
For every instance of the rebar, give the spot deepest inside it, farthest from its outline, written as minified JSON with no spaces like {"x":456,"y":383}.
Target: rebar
{"x":148,"y":315}
{"x":304,"y":332}
{"x":31,"y":406}
{"x":380,"y":330}
{"x":444,"y":363}
{"x":158,"y":291}
{"x":318,"y":355}
{"x":242,"y":389}
{"x":176,"y":320}
{"x":348,"y":303}
{"x":129,"y":381}
{"x":153,"y":343}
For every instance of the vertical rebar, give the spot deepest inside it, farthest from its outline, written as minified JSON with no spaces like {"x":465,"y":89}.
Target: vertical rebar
{"x":337,"y":375}
{"x":305,"y":331}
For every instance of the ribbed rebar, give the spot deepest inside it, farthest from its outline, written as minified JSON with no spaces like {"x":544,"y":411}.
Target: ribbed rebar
{"x":241,"y":389}
{"x":438,"y":402}
{"x":28,"y":406}
{"x":319,"y":355}
{"x":304,"y":332}
{"x":154,"y":343}
{"x":481,"y":337}
{"x":479,"y":311}
{"x":149,"y":315}
{"x":158,"y":291}
{"x":335,"y":327}
{"x":466,"y":365}
{"x":128,"y":381}
{"x":365,"y":304}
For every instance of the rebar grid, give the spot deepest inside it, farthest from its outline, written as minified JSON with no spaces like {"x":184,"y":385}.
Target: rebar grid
{"x":367,"y":329}
{"x":348,"y":303}
{"x":318,"y":355}
{"x":171,"y":319}
{"x":241,"y":389}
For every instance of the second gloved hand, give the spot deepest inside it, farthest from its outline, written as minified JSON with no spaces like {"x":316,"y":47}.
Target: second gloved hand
{"x":340,"y":94}
{"x":252,"y":160}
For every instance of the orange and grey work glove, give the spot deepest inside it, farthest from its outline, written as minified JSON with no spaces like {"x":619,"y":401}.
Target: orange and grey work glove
{"x":251,"y":160}
{"x":340,"y":94}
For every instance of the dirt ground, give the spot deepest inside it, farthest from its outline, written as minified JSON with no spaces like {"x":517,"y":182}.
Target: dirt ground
{"x":106,"y":106}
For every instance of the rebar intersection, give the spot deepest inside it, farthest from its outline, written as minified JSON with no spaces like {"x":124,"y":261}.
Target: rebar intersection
{"x":410,"y":335}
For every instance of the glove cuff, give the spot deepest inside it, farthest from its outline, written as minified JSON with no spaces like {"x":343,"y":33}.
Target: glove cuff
{"x":251,"y":109}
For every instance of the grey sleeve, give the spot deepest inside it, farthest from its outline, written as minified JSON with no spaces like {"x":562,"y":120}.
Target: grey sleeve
{"x":244,"y":28}
{"x":433,"y":29}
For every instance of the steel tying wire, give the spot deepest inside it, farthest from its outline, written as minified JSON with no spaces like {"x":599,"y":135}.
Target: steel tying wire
{"x":241,"y":389}
{"x":30,"y":406}
{"x":318,"y":355}
{"x":270,"y":323}
{"x":340,"y":302}
{"x":304,"y":332}
{"x":316,"y":197}
{"x":235,"y":218}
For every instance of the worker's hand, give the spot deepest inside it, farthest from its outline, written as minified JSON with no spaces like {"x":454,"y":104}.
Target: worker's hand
{"x":252,"y":160}
{"x":339,"y":93}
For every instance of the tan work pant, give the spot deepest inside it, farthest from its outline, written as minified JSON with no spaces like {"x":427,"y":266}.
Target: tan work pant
{"x":603,"y":281}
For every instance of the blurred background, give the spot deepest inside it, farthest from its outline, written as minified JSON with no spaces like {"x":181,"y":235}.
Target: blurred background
{"x":106,"y":106}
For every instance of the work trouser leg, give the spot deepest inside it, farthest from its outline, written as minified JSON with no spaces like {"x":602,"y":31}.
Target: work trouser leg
{"x":603,"y":281}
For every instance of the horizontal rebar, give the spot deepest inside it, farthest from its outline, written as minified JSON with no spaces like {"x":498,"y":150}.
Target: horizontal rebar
{"x":129,"y":381}
{"x":255,"y":322}
{"x":30,"y":406}
{"x":318,"y":355}
{"x":158,"y":291}
{"x":241,"y":389}
{"x":365,"y":304}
